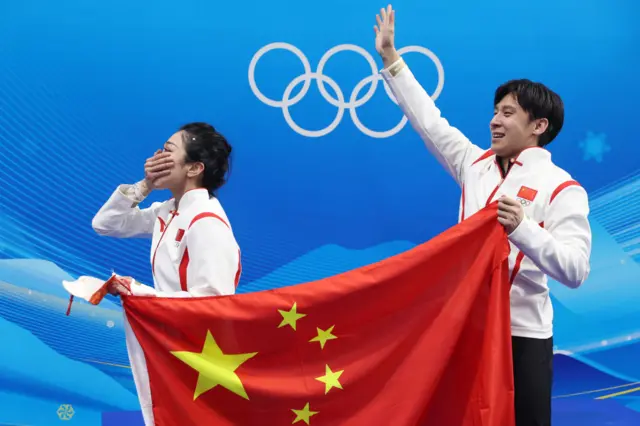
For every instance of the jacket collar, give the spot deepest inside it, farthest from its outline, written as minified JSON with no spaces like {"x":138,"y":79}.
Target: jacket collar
{"x":190,"y":197}
{"x":533,"y":155}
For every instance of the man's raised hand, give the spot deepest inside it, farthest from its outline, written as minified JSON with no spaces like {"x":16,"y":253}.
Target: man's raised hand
{"x":385,"y":34}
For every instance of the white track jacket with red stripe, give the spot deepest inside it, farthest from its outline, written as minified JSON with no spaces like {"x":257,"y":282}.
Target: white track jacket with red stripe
{"x":193,"y":253}
{"x":554,"y":239}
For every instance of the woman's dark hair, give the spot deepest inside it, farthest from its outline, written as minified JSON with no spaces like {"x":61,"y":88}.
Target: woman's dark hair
{"x":204,"y":144}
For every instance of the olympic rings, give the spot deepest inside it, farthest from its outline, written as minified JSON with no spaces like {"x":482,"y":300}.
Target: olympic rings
{"x":353,"y":102}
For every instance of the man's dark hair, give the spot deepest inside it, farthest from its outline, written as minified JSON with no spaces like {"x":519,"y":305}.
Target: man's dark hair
{"x":204,"y":144}
{"x":538,"y":101}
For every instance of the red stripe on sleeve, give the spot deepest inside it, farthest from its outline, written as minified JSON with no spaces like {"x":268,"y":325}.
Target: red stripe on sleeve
{"x":184,"y":262}
{"x":561,"y":187}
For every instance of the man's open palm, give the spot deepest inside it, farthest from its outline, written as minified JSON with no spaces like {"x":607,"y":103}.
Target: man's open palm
{"x":385,"y":29}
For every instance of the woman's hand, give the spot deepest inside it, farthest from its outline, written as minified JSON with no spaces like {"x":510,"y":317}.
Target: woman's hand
{"x":120,"y":286}
{"x":157,"y":167}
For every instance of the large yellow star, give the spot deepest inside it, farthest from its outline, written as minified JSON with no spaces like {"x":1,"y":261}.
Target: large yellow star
{"x":323,"y":336}
{"x":304,"y":414}
{"x":330,"y":379}
{"x":290,"y":317}
{"x":215,"y":367}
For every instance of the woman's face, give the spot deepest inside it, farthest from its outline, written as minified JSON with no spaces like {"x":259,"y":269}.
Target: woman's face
{"x":180,"y":171}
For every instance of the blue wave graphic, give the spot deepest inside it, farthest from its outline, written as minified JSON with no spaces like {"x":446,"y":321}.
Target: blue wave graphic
{"x":33,"y":373}
{"x":325,"y":261}
{"x":617,"y":208}
{"x":32,"y":297}
{"x":618,"y":359}
{"x":603,"y":311}
{"x":575,"y":374}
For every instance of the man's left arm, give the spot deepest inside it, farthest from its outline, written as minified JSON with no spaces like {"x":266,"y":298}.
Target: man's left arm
{"x":562,"y":248}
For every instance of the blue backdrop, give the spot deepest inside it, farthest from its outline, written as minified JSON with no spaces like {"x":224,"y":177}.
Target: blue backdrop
{"x":323,"y":180}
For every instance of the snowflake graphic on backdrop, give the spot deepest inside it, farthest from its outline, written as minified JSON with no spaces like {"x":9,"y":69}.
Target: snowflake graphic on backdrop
{"x":594,"y":146}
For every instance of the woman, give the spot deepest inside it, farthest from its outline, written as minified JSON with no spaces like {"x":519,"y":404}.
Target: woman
{"x":193,"y":249}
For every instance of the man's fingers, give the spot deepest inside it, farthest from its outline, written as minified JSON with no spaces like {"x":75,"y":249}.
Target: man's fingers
{"x":504,"y":214}
{"x":508,"y":201}
{"x":379,"y":21}
{"x":513,"y":208}
{"x":508,"y":210}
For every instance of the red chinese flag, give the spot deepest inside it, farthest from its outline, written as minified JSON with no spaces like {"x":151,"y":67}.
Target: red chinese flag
{"x":421,"y":338}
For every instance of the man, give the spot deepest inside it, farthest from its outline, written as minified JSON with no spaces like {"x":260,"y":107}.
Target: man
{"x":543,"y":210}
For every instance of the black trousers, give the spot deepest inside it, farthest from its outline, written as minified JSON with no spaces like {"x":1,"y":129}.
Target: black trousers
{"x":533,"y":375}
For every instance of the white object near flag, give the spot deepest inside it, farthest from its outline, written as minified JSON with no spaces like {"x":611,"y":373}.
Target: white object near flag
{"x":88,"y":288}
{"x":92,"y":289}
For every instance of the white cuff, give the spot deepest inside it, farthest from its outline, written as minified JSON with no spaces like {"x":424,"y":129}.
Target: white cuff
{"x":139,"y":289}
{"x":133,"y":193}
{"x":393,"y":69}
{"x":524,"y":234}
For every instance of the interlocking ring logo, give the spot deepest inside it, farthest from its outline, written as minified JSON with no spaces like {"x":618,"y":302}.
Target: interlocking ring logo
{"x":352,"y":104}
{"x":525,"y":203}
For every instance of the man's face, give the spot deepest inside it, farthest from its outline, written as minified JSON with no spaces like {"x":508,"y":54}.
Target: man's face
{"x":512,"y":130}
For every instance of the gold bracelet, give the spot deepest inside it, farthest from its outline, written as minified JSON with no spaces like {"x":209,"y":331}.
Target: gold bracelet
{"x":396,"y":67}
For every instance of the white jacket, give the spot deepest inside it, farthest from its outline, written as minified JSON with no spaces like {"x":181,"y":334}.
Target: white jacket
{"x":554,"y":239}
{"x":193,"y":253}
{"x":193,"y":250}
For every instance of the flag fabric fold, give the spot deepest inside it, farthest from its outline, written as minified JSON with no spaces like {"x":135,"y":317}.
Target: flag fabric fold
{"x":421,"y":338}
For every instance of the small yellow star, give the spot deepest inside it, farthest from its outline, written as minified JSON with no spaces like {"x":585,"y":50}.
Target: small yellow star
{"x":330,"y":379}
{"x":323,"y":336}
{"x":304,"y":414}
{"x":290,"y":317}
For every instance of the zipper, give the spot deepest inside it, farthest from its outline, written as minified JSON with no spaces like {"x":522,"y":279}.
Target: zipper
{"x":503,"y":176}
{"x":153,"y":260}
